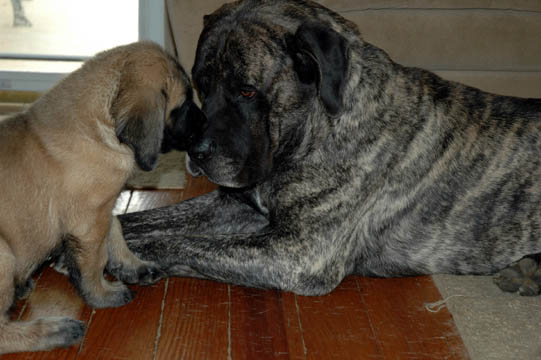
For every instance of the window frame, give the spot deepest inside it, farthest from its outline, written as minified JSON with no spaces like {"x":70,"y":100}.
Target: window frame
{"x":151,"y":27}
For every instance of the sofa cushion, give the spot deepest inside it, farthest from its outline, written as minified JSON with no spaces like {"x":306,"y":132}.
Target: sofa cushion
{"x":349,"y":5}
{"x":455,"y":39}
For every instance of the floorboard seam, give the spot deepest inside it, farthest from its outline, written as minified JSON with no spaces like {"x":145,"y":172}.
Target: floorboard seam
{"x":378,"y":342}
{"x":229,"y":357}
{"x":86,"y":332}
{"x":304,"y":350}
{"x":160,"y":322}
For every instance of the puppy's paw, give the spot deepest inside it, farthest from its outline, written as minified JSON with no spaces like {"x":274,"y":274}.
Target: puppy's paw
{"x":523,"y":277}
{"x":145,"y":273}
{"x":115,"y":294}
{"x":59,"y":332}
{"x":60,"y":265}
{"x":22,"y":291}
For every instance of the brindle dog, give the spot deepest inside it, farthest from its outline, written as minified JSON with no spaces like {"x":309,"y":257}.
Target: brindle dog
{"x":335,"y":160}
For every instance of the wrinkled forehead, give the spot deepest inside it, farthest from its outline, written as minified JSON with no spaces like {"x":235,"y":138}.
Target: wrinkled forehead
{"x":249,"y":50}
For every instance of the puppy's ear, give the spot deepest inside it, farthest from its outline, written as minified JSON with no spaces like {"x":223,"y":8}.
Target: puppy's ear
{"x":187,"y":125}
{"x":320,"y":56}
{"x":139,"y":115}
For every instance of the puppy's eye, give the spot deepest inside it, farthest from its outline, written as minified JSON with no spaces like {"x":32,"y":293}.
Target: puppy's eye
{"x":247,"y":94}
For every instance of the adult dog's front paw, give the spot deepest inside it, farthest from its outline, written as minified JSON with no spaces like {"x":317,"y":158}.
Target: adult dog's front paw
{"x":145,"y":273}
{"x":523,"y":277}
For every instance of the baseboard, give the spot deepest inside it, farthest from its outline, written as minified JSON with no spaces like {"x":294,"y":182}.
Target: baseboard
{"x":18,"y":97}
{"x":10,"y":108}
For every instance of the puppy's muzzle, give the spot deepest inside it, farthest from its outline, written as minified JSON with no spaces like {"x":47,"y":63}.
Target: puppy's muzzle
{"x":187,"y":123}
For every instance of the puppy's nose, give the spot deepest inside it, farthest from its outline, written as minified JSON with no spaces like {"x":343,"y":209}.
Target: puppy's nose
{"x":203,"y":149}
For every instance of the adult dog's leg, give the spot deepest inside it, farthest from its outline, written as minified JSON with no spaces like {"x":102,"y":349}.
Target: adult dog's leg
{"x":217,"y":212}
{"x":266,"y":260}
{"x":523,"y":276}
{"x":229,"y":246}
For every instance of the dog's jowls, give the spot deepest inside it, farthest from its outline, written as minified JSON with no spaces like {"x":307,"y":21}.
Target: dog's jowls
{"x":339,"y":161}
{"x":64,"y":162}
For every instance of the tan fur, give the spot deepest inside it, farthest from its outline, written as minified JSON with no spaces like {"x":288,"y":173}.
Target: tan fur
{"x":62,"y":168}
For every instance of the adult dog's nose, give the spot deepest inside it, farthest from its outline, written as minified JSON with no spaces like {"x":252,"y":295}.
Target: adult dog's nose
{"x":203,"y":149}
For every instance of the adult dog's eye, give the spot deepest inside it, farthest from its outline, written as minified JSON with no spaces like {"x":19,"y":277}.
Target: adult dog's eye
{"x":247,"y":93}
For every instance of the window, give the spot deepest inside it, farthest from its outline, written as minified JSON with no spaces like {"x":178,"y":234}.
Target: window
{"x":43,"y":40}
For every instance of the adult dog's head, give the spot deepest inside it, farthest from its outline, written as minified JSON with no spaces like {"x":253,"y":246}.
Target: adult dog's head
{"x":153,"y":101}
{"x":266,"y":72}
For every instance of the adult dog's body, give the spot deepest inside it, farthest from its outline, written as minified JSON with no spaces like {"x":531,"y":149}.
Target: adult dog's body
{"x":339,"y":161}
{"x":64,"y":162}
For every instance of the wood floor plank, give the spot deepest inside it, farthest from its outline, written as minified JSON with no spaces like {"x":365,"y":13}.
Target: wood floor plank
{"x":195,"y":317}
{"x":292,"y":325}
{"x":401,"y":323}
{"x":258,"y":324}
{"x":127,"y":332}
{"x":336,"y":326}
{"x":145,"y":199}
{"x":122,"y":202}
{"x":197,"y":186}
{"x":194,"y":321}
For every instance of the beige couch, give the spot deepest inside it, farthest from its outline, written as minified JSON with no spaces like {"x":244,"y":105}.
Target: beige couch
{"x":491,"y":44}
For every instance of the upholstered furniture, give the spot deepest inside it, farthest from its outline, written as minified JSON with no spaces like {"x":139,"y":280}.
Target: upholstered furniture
{"x":491,"y":44}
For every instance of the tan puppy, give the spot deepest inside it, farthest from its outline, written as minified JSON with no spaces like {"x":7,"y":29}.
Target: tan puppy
{"x":64,"y":162}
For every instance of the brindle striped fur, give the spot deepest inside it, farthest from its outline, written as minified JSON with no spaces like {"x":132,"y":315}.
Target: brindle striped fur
{"x":400,"y":173}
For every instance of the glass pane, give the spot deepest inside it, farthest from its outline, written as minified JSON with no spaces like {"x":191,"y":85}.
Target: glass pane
{"x":78,"y":28}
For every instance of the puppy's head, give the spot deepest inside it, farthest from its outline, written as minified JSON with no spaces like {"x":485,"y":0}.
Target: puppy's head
{"x":153,"y":103}
{"x":266,"y":72}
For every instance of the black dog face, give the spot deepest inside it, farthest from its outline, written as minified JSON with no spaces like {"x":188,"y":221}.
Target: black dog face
{"x":234,"y":148}
{"x":260,"y":84}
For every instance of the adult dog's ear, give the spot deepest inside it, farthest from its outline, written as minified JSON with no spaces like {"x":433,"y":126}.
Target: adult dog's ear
{"x":139,"y":115}
{"x":224,"y":10}
{"x":320,"y":56}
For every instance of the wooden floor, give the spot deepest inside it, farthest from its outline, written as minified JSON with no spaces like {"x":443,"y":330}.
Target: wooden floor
{"x":195,"y":319}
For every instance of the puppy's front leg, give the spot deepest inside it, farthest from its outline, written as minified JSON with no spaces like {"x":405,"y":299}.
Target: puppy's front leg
{"x":86,"y":257}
